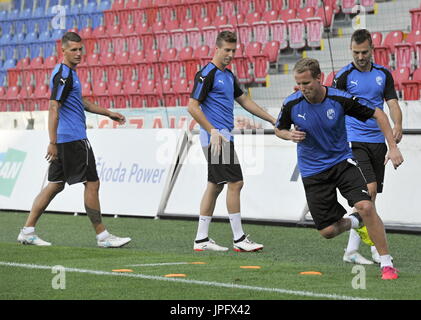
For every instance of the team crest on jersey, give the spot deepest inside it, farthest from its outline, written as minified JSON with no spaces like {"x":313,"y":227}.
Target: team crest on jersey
{"x":379,"y":80}
{"x":330,"y":114}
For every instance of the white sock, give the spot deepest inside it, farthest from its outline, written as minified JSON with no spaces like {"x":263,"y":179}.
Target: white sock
{"x":353,"y":241}
{"x":354,"y":222}
{"x":203,"y":227}
{"x":373,"y":249}
{"x":237,"y":229}
{"x":103,"y":235}
{"x":386,"y":261}
{"x":28,"y":230}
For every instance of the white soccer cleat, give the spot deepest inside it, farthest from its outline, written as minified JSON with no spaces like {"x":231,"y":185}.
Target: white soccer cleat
{"x":113,"y":241}
{"x":32,"y":239}
{"x":246,"y":245}
{"x":209,"y":245}
{"x":355,"y":257}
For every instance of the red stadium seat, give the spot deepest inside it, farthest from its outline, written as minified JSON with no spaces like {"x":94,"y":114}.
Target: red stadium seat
{"x":271,"y":49}
{"x":294,"y":4}
{"x":41,"y":96}
{"x":253,"y":17}
{"x":209,"y":35}
{"x":296,"y":29}
{"x":148,"y":90}
{"x":3,"y":103}
{"x":27,"y":98}
{"x":178,"y":39}
{"x":12,"y":98}
{"x":314,"y":32}
{"x":392,"y":38}
{"x":312,"y":3}
{"x":131,"y":88}
{"x":181,"y":88}
{"x":194,"y":37}
{"x":170,"y":97}
{"x":278,"y":30}
{"x":271,"y":15}
{"x":244,"y":33}
{"x":382,"y":56}
{"x":326,"y":13}
{"x":403,"y":55}
{"x":260,"y":31}
{"x":415,"y":19}
{"x":288,"y":14}
{"x":368,"y":5}
{"x":412,"y":88}
{"x":400,"y":75}
{"x":304,"y":13}
{"x":244,"y":6}
{"x":377,"y":38}
{"x":348,"y":5}
{"x":203,"y":54}
{"x":329,"y":79}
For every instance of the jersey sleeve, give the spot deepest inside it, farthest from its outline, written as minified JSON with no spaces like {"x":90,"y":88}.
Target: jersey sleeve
{"x":389,"y":89}
{"x":284,"y":120}
{"x":237,"y":89}
{"x":62,"y":84}
{"x":353,"y":108}
{"x":339,"y":82}
{"x":202,"y":86}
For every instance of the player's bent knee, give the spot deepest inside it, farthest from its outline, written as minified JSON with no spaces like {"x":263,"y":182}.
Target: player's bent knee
{"x":328,"y":232}
{"x":364,"y":208}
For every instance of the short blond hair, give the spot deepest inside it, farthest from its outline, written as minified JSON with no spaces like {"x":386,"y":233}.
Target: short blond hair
{"x":308,"y":64}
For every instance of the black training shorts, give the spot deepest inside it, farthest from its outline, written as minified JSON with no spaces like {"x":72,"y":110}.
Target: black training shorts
{"x":225,"y":167}
{"x":321,"y":193}
{"x":75,"y":163}
{"x":370,"y":157}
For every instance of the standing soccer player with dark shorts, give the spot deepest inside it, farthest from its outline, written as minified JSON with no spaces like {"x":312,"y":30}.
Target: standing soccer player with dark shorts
{"x":212,"y":105}
{"x":372,"y":84}
{"x":69,"y":151}
{"x":317,"y":114}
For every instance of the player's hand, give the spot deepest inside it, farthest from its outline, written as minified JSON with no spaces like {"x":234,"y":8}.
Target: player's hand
{"x":51,"y":152}
{"x":117,"y":117}
{"x":216,"y":140}
{"x":297,"y":135}
{"x":397,"y":134}
{"x":395,"y":156}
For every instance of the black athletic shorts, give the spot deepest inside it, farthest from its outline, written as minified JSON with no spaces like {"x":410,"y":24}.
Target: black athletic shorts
{"x":321,"y":193}
{"x":75,"y":163}
{"x":225,"y":167}
{"x":370,"y":157}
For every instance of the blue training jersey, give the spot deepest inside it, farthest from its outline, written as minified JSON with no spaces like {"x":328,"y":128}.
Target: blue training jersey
{"x":372,"y":88}
{"x":324,"y":124}
{"x":66,"y":89}
{"x":216,"y":90}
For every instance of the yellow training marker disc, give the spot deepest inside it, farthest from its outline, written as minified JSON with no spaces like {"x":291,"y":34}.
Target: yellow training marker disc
{"x":171,"y":275}
{"x":197,"y":262}
{"x":250,"y":267}
{"x":122,"y":270}
{"x":317,"y":273}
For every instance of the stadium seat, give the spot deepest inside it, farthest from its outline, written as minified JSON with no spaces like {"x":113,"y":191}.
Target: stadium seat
{"x":115,"y":90}
{"x":296,"y":30}
{"x":131,"y":89}
{"x":415,"y":19}
{"x":329,"y":79}
{"x":27,"y":98}
{"x":148,"y":90}
{"x":203,"y":54}
{"x":412,"y":88}
{"x":368,"y":5}
{"x":243,"y":6}
{"x":278,"y":31}
{"x":403,"y":55}
{"x":294,"y":4}
{"x":392,"y":38}
{"x":209,"y":35}
{"x":348,"y":5}
{"x":244,"y":33}
{"x":178,"y":39}
{"x":326,"y":13}
{"x":170,"y":97}
{"x":194,"y":37}
{"x":276,"y":5}
{"x":271,"y":49}
{"x":182,"y":90}
{"x":41,"y":96}
{"x":253,"y":17}
{"x":304,"y":13}
{"x":260,"y":31}
{"x":271,"y":15}
{"x":314,"y":28}
{"x":12,"y":98}
{"x":400,"y":75}
{"x":312,"y":3}
{"x":3,"y":103}
{"x":413,"y":37}
{"x":382,"y":56}
{"x":377,"y":38}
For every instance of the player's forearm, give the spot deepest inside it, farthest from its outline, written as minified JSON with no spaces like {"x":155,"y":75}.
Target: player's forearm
{"x":198,"y":115}
{"x":94,"y":108}
{"x":53,"y":120}
{"x":395,"y":113}
{"x":255,"y":109}
{"x":384,"y":126}
{"x":283,"y":134}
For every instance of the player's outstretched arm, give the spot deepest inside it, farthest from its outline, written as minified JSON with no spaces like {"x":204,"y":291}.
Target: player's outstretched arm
{"x":254,"y":108}
{"x":94,"y":108}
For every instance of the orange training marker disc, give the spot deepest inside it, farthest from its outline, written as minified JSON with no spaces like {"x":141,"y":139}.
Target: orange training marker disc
{"x":250,"y":267}
{"x":311,"y":273}
{"x":171,"y":275}
{"x":122,"y":270}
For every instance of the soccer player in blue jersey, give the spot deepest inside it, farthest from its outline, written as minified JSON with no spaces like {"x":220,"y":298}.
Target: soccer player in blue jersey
{"x":372,"y":84}
{"x":317,"y":114}
{"x":211,"y":104}
{"x":69,"y":151}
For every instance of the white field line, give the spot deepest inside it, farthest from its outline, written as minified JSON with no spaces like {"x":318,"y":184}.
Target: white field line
{"x":188,"y":281}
